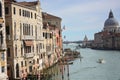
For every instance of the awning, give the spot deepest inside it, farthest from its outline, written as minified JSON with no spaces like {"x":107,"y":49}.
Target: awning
{"x":28,"y":43}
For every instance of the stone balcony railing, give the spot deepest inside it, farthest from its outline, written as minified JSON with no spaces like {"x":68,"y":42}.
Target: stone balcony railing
{"x":27,"y":37}
{"x":29,"y":55}
{"x":39,"y":38}
{"x":2,"y":47}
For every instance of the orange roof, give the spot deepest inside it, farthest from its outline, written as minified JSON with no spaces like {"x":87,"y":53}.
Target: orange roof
{"x":49,"y":16}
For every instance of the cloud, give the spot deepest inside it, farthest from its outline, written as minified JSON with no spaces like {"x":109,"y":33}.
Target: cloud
{"x":89,"y":7}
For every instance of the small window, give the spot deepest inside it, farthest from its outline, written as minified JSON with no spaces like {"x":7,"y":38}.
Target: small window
{"x":23,"y":12}
{"x":7,"y":30}
{"x":35,"y":16}
{"x":1,"y":37}
{"x":38,"y":61}
{"x":31,"y":15}
{"x":8,"y":52}
{"x":2,"y":56}
{"x":20,"y":12}
{"x":0,"y":25}
{"x":3,"y":69}
{"x":8,"y":68}
{"x":14,"y":10}
{"x":21,"y":63}
{"x":30,"y":68}
{"x":6,"y":10}
{"x":25,"y":63}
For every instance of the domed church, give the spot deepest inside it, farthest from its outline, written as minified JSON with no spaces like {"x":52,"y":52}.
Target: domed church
{"x":111,"y":24}
{"x":109,"y":37}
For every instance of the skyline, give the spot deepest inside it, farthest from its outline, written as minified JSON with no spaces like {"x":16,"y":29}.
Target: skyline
{"x":81,"y":17}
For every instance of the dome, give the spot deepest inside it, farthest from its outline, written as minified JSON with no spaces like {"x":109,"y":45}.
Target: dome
{"x":111,"y":21}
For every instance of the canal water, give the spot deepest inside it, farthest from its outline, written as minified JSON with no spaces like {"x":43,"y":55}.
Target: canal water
{"x":89,"y":68}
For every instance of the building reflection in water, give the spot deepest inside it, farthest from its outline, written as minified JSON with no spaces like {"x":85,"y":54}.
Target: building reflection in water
{"x":56,"y":72}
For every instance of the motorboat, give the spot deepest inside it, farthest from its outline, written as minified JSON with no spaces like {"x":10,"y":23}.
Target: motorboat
{"x":101,"y":61}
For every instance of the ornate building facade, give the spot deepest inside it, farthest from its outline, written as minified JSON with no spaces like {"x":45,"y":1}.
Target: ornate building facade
{"x":3,"y":59}
{"x":24,"y":38}
{"x":52,"y":37}
{"x":109,"y":38}
{"x":33,"y":39}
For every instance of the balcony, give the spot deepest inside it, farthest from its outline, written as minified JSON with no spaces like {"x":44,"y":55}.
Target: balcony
{"x":51,"y":52}
{"x":27,"y":37}
{"x":40,"y":38}
{"x":2,"y":47}
{"x":29,"y":55}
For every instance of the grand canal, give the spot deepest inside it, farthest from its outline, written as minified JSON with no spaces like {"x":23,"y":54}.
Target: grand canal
{"x":88,"y":68}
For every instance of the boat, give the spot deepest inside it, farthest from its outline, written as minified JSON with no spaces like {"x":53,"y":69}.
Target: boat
{"x":101,"y":61}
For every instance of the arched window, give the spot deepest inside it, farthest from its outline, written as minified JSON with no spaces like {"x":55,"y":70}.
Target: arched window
{"x":17,"y":70}
{"x":0,"y":9}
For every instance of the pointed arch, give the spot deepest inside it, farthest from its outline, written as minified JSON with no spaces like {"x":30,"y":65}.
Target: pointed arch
{"x":17,"y":70}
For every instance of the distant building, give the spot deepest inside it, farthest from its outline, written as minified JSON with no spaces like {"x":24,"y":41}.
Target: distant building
{"x":85,"y":41}
{"x":109,"y":37}
{"x":3,"y":59}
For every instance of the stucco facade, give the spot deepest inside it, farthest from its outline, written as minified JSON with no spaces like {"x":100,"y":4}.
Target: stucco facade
{"x":3,"y":59}
{"x":24,"y":38}
{"x":55,"y":22}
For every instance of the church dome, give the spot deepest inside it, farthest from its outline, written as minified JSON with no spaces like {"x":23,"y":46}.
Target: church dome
{"x":111,"y":21}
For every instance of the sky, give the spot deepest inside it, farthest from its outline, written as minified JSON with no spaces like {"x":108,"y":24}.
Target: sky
{"x":81,"y":17}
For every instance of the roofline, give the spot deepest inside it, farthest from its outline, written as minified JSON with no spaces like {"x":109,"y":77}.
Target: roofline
{"x":52,"y":15}
{"x":17,"y":3}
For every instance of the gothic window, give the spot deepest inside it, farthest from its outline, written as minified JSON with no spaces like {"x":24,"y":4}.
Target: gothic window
{"x":1,"y":38}
{"x":20,"y":12}
{"x":0,"y":25}
{"x":6,"y":10}
{"x":0,"y":9}
{"x":21,"y":50}
{"x":14,"y":10}
{"x":16,"y":50}
{"x":7,"y":30}
{"x":15,"y":29}
{"x":8,"y":52}
{"x":31,"y":15}
{"x":20,"y":29}
{"x":2,"y":56}
{"x":32,"y":29}
{"x":25,"y":63}
{"x":17,"y":70}
{"x":30,"y":68}
{"x":23,"y":12}
{"x":21,"y":63}
{"x":35,"y":15}
{"x":3,"y":69}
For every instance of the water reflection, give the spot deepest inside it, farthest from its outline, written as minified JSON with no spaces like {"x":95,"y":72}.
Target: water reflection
{"x":56,"y":72}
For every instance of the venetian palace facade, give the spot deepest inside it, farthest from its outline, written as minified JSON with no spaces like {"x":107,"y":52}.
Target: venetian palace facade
{"x":32,"y":40}
{"x":3,"y":60}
